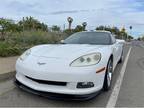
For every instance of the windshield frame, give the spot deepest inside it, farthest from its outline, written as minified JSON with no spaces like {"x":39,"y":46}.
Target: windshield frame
{"x":109,"y":35}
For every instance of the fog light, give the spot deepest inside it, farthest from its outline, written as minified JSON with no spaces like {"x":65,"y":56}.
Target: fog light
{"x":85,"y":84}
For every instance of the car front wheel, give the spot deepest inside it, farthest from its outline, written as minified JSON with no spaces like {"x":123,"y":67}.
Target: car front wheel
{"x":122,"y":57}
{"x":108,"y":76}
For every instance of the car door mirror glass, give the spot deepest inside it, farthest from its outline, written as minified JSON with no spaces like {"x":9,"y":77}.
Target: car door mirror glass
{"x":62,"y":41}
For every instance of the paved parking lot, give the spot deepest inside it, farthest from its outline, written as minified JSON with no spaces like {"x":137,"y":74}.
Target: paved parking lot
{"x":130,"y":93}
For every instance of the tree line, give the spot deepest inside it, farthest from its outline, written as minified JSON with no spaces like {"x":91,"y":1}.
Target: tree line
{"x":120,"y":34}
{"x":27,"y":23}
{"x":8,"y":26}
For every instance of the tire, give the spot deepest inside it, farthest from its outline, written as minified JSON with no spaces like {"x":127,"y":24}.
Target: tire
{"x":121,"y":59}
{"x":108,"y":75}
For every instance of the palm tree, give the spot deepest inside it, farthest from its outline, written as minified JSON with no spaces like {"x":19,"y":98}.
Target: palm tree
{"x":70,"y":20}
{"x":5,"y":26}
{"x":123,"y":32}
{"x":55,"y":28}
{"x":78,"y":28}
{"x":84,"y":24}
{"x":29,"y":23}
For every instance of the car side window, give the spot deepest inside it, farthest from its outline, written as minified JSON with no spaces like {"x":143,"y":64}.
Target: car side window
{"x":113,"y":39}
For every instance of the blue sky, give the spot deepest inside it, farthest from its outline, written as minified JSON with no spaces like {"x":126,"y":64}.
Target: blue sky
{"x":95,"y":12}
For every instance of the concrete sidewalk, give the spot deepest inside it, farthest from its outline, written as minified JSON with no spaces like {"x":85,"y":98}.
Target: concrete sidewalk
{"x":7,"y":66}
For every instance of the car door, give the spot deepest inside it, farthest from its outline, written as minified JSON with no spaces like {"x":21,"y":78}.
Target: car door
{"x":115,"y":49}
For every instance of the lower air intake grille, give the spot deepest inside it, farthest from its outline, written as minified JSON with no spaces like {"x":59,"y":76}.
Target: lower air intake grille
{"x":48,"y":82}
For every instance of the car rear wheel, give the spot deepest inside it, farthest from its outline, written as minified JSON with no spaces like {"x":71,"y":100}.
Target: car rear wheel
{"x":108,"y":76}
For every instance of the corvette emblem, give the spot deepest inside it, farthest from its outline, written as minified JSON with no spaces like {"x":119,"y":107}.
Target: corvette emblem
{"x":39,"y":63}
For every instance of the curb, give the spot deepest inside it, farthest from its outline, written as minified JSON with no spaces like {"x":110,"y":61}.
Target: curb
{"x":7,"y":76}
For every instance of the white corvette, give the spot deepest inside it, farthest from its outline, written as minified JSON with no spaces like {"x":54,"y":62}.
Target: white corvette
{"x":79,"y":67}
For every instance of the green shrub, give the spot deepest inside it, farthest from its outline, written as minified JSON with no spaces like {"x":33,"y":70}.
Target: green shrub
{"x":17,"y":43}
{"x":36,"y":37}
{"x":10,"y":49}
{"x":7,"y":49}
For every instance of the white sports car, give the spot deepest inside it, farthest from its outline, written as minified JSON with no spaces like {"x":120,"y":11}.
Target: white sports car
{"x":79,"y":67}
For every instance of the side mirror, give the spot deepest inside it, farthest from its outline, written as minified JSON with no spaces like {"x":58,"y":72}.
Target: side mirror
{"x":120,"y":41}
{"x":62,"y":41}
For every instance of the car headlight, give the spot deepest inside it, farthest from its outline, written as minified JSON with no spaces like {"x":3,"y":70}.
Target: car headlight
{"x":87,"y":60}
{"x":25,"y":55}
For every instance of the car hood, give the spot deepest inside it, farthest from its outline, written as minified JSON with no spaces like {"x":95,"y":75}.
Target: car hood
{"x":64,"y":51}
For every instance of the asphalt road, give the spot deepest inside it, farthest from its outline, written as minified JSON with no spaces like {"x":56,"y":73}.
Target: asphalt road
{"x":130,"y":93}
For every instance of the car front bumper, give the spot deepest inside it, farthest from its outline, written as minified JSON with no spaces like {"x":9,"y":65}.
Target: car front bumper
{"x":69,"y":89}
{"x":71,"y":75}
{"x":57,"y":96}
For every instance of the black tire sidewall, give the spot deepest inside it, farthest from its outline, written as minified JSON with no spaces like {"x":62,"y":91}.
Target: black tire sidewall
{"x":105,"y":85}
{"x":121,"y":58}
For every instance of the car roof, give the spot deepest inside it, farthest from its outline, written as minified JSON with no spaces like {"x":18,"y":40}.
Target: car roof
{"x":97,"y":31}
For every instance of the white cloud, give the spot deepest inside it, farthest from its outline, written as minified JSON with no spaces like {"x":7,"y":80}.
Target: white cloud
{"x":95,"y":12}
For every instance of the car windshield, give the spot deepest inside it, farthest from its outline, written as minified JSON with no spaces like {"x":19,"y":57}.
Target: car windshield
{"x":97,"y":38}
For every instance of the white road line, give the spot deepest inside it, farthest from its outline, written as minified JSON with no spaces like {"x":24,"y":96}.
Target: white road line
{"x":114,"y":95}
{"x":142,"y":46}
